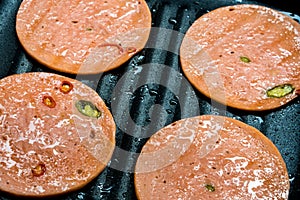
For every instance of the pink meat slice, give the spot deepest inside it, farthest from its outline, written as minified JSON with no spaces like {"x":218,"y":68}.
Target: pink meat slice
{"x":210,"y":157}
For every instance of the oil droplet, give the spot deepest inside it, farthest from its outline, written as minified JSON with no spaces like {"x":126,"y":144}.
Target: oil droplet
{"x":124,"y":195}
{"x":81,"y":195}
{"x":173,"y":102}
{"x":153,"y":92}
{"x":106,"y":190}
{"x":258,"y":120}
{"x":237,"y":118}
{"x":172,"y":21}
{"x":148,"y":119}
{"x":292,"y":15}
{"x":169,"y":111}
{"x":141,"y":98}
{"x":291,"y":178}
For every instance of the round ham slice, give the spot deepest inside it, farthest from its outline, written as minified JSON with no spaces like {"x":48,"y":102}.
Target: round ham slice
{"x":240,"y":55}
{"x":210,"y":157}
{"x":56,"y":134}
{"x":83,"y":37}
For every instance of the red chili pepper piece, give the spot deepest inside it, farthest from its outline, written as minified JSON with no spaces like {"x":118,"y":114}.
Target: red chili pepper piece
{"x":66,"y":87}
{"x":39,"y":170}
{"x":49,"y":101}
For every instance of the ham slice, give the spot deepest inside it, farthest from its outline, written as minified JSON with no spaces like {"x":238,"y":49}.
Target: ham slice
{"x":210,"y":157}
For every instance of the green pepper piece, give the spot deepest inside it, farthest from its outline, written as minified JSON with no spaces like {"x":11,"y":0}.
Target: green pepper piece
{"x":245,"y":59}
{"x":87,"y":108}
{"x":280,"y":90}
{"x":210,"y":187}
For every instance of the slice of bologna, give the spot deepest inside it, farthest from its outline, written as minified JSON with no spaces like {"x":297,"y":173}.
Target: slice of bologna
{"x":210,"y":157}
{"x":83,"y":37}
{"x":244,"y":56}
{"x":56,"y":134}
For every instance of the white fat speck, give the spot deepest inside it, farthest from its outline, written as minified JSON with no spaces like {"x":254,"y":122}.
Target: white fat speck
{"x":40,"y":189}
{"x":2,"y":120}
{"x":188,"y":137}
{"x":127,"y":14}
{"x":169,"y":137}
{"x":285,"y":194}
{"x":31,"y":152}
{"x":16,"y":100}
{"x":155,"y":143}
{"x":227,"y":182}
{"x":76,"y":116}
{"x":245,"y":183}
{"x":2,"y":107}
{"x":21,"y":138}
{"x":233,"y":159}
{"x":66,"y":187}
{"x":220,"y":172}
{"x":84,"y":125}
{"x":230,"y":68}
{"x":245,"y":143}
{"x":14,"y":116}
{"x":31,"y":141}
{"x":55,"y":152}
{"x":236,"y":181}
{"x":268,"y":170}
{"x":254,"y":184}
{"x":8,"y":161}
{"x":285,"y":52}
{"x":213,"y":132}
{"x":56,"y":182}
{"x":40,"y":121}
{"x":19,"y":172}
{"x":197,"y":167}
{"x":257,"y":172}
{"x":131,"y":4}
{"x":64,"y":53}
{"x":297,"y":42}
{"x":31,"y":126}
{"x":45,"y":75}
{"x":50,"y":146}
{"x":240,"y":162}
{"x":62,"y":122}
{"x":95,"y":128}
{"x":206,"y":123}
{"x":7,"y":148}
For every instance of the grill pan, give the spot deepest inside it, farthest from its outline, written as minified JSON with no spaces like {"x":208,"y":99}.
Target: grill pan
{"x":141,"y":92}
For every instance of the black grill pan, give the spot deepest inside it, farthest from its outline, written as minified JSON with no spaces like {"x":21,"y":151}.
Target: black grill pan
{"x":150,"y":95}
